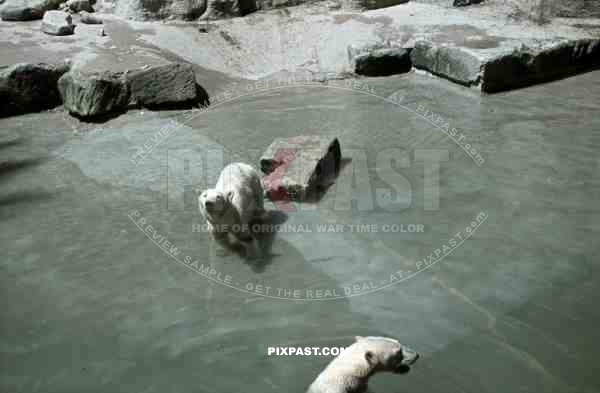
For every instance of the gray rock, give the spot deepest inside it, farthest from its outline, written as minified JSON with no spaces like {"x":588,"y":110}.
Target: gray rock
{"x":463,"y":3}
{"x":383,"y":62}
{"x":89,"y":19}
{"x":297,"y":167}
{"x":494,"y":71}
{"x":29,"y":87}
{"x":528,"y":66}
{"x":57,"y":23}
{"x":79,"y":5}
{"x":24,"y":10}
{"x":94,"y":94}
{"x":454,"y":63}
{"x":162,"y":85}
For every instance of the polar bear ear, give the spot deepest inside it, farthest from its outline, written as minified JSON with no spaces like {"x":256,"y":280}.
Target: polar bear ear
{"x":229,"y":196}
{"x":369,"y":357}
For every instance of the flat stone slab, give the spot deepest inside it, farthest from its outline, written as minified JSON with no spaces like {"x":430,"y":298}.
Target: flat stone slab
{"x":29,"y":87}
{"x":512,"y":65}
{"x":527,"y":66}
{"x":295,"y":167}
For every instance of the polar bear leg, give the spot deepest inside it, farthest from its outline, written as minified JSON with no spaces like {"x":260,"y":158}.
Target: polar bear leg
{"x":252,"y":248}
{"x":222,"y":238}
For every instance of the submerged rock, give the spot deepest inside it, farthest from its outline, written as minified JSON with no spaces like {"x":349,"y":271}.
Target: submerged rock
{"x":29,"y":87}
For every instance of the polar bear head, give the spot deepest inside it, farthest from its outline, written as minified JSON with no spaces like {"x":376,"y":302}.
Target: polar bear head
{"x":213,"y":203}
{"x":386,"y":354}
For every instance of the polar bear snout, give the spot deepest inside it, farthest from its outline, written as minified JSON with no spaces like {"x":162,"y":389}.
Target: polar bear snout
{"x":214,"y":202}
{"x":408,"y":358}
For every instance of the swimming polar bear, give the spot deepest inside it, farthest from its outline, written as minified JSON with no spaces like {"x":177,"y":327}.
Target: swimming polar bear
{"x":232,"y":205}
{"x":350,"y":371}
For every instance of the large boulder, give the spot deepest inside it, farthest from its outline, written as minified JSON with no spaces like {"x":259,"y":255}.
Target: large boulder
{"x":29,"y":87}
{"x":297,"y":167}
{"x":97,"y":93}
{"x":94,"y":94}
{"x":57,"y":23}
{"x":24,"y":10}
{"x":162,"y":85}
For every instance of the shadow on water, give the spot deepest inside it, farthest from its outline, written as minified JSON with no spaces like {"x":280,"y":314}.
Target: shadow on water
{"x":266,"y":239}
{"x":264,"y":231}
{"x":316,"y":193}
{"x":10,"y":167}
{"x":100,"y":119}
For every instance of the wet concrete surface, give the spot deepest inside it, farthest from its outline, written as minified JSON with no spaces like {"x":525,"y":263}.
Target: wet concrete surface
{"x":91,"y":304}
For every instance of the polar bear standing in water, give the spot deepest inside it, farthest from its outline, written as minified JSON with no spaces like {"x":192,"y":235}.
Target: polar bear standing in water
{"x":232,"y":205}
{"x":350,"y":371}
